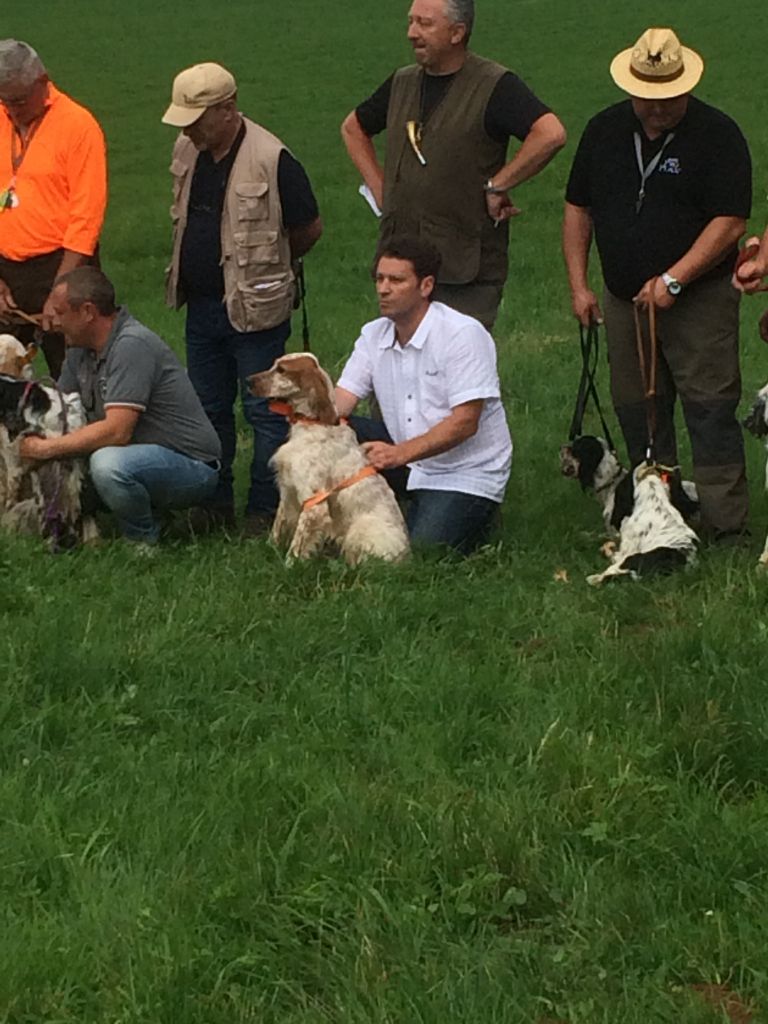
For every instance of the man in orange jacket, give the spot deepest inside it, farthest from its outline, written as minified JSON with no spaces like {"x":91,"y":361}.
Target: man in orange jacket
{"x":53,"y":190}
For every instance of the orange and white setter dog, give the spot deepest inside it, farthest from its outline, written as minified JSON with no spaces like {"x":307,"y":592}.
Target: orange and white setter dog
{"x":328,"y":491}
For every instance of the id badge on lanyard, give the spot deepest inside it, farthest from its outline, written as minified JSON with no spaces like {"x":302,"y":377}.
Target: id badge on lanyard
{"x":646,"y":170}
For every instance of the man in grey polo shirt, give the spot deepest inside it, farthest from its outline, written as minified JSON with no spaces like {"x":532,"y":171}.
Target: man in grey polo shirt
{"x":150,"y":443}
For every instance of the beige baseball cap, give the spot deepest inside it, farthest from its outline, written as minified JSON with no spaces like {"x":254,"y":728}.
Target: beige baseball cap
{"x":657,"y":67}
{"x":195,"y":89}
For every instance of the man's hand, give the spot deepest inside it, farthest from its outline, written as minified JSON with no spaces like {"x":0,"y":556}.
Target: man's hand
{"x":654,"y":290}
{"x":750,"y":267}
{"x":763,"y":326}
{"x":7,"y":301}
{"x":33,"y":447}
{"x":382,"y":455}
{"x":500,"y":206}
{"x":48,"y":316}
{"x":586,"y":308}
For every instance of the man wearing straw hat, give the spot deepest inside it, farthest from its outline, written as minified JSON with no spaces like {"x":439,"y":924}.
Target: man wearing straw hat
{"x":53,"y":192}
{"x":664,"y":182}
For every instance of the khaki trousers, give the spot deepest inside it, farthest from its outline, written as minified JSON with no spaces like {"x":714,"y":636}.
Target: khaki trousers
{"x":698,"y":359}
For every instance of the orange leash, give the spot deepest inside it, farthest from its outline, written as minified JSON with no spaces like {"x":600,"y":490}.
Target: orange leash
{"x":322,"y":496}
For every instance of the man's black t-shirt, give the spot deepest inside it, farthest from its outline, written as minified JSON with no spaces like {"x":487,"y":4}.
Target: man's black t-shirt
{"x":201,"y":273}
{"x":704,"y":172}
{"x":512,"y":107}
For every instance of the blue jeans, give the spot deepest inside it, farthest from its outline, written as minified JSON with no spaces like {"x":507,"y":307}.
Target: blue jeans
{"x":460,"y":521}
{"x":219,"y":358}
{"x":134,"y":480}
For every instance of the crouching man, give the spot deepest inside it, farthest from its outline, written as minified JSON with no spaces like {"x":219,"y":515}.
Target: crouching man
{"x":444,"y":441}
{"x":151,"y":445}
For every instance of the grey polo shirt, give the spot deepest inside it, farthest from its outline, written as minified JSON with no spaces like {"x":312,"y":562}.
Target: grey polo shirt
{"x":137,"y":370}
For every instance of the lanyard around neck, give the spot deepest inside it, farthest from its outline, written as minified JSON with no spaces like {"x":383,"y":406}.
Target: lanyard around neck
{"x":20,"y":144}
{"x":647,"y":170}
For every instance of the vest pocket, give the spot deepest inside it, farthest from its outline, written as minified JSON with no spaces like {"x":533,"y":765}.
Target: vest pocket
{"x":459,"y":250}
{"x":254,"y":248}
{"x":252,"y":200}
{"x":266,"y":303}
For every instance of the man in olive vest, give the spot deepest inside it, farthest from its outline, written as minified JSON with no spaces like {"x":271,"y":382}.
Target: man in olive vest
{"x":243,"y":210}
{"x":446,"y":177}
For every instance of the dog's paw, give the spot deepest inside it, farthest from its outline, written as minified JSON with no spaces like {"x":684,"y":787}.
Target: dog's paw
{"x":595,"y":579}
{"x":608,"y":550}
{"x":762,"y":565}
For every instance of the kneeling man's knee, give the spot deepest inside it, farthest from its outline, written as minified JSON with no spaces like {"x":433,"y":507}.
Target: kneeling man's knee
{"x":107,"y":467}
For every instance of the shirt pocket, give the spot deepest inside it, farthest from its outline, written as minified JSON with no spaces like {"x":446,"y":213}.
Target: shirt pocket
{"x":252,"y":200}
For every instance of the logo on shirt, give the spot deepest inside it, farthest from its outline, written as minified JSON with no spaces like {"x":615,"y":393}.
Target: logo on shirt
{"x":670,"y":166}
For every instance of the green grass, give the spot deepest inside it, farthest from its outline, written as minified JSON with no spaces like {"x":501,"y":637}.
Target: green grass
{"x":442,"y":792}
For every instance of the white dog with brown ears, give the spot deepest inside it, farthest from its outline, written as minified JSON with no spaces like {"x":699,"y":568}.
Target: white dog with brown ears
{"x":329,"y":493}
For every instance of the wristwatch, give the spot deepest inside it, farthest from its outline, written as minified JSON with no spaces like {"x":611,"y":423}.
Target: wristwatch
{"x":673,"y":286}
{"x":494,"y":190}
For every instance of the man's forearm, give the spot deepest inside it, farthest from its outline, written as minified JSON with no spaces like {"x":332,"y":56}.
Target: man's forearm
{"x":83,"y":441}
{"x":577,"y":239}
{"x":70,"y":260}
{"x":303,"y":236}
{"x":447,"y":434}
{"x":720,"y":235}
{"x":362,"y":153}
{"x":546,"y":138}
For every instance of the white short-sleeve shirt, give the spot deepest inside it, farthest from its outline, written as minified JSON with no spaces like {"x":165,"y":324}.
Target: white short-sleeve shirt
{"x":451,"y":359}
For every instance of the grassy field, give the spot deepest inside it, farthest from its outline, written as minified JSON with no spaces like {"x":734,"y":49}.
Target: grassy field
{"x":444,"y":792}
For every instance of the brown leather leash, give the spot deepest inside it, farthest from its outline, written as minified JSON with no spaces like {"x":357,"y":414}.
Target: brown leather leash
{"x":648,"y":369}
{"x":18,"y":316}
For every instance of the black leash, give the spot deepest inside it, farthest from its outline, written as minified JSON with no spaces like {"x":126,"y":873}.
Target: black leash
{"x":589,"y":339}
{"x":301,"y":295}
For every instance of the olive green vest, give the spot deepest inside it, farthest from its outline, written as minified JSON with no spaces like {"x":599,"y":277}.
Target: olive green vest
{"x":443,"y":201}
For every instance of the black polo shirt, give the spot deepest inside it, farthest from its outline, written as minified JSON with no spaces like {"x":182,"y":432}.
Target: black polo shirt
{"x":704,"y":172}
{"x":201,"y":272}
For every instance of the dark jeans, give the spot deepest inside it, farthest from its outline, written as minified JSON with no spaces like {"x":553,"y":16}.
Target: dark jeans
{"x":219,"y":359}
{"x":460,"y":521}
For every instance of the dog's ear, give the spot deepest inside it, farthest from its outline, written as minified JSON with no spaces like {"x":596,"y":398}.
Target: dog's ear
{"x":321,"y":399}
{"x":31,"y":354}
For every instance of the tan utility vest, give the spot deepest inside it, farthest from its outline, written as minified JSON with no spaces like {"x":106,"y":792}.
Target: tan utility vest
{"x":443,"y":201}
{"x":255,"y":249}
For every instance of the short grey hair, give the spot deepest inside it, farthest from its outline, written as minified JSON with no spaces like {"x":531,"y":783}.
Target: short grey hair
{"x":88,"y":284}
{"x":463,"y":11}
{"x":19,"y":63}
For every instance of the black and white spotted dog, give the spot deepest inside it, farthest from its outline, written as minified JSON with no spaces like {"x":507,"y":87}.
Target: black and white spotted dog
{"x":756,"y":422}
{"x":589,"y":460}
{"x":42,"y":498}
{"x":649,"y":510}
{"x":654,"y":537}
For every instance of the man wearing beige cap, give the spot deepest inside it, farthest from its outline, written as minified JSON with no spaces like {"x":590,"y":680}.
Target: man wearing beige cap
{"x":243,"y":211}
{"x":664,"y":181}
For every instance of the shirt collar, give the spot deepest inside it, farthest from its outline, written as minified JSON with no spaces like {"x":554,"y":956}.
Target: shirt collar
{"x":388,"y":339}
{"x":119,"y":322}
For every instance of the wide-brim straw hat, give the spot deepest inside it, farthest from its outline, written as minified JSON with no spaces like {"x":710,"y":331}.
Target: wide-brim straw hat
{"x":657,"y":67}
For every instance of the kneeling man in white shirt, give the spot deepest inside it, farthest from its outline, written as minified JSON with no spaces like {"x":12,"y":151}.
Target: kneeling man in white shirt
{"x":444,"y":439}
